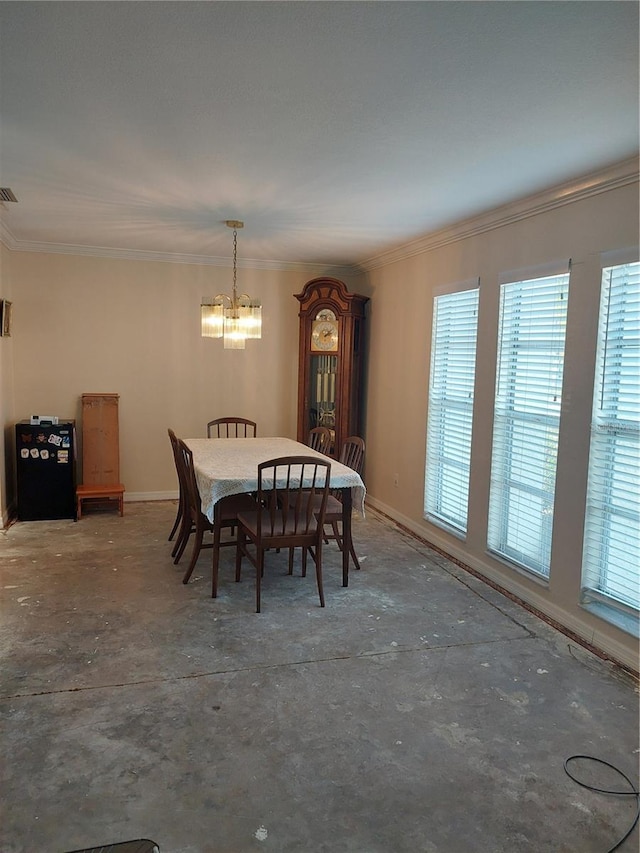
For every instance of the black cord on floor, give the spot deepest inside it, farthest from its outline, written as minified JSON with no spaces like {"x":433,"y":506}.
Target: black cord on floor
{"x":631,"y":793}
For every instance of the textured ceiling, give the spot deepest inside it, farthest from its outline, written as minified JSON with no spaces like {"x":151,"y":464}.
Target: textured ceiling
{"x":335,"y":130}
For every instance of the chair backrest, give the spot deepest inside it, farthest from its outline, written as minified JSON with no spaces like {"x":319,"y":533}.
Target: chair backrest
{"x":173,"y":438}
{"x":187,"y":477}
{"x":320,"y":439}
{"x":231,"y":428}
{"x":352,"y":453}
{"x":292,"y":496}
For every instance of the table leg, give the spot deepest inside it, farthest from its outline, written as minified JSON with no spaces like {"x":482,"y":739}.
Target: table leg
{"x":216,"y":549}
{"x":346,"y":534}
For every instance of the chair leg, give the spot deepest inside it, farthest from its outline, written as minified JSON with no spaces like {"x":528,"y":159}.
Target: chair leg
{"x":259,"y":570}
{"x":176,"y":545}
{"x":240,"y":544}
{"x":318,"y":561}
{"x":197,"y":545}
{"x":339,"y":540}
{"x":181,"y":544}
{"x":186,"y":529}
{"x":336,"y":534}
{"x":352,"y":551}
{"x":176,"y":523}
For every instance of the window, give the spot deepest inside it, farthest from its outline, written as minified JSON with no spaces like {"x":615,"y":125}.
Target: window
{"x":453,"y":360}
{"x":526,"y":419}
{"x":611,"y":554}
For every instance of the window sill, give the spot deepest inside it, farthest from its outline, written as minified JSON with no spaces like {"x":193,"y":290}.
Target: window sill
{"x":525,"y":572}
{"x":625,"y":621}
{"x":449,"y":528}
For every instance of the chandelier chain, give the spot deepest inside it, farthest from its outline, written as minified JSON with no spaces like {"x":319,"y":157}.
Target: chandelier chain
{"x":235,"y":254}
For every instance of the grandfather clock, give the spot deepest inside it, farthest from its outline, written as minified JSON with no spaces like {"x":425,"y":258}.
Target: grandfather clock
{"x":330,"y":371}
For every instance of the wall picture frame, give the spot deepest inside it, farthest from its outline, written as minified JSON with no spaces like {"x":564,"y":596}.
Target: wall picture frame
{"x":5,"y":318}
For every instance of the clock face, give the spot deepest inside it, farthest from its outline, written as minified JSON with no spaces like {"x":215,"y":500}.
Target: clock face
{"x":324,"y":336}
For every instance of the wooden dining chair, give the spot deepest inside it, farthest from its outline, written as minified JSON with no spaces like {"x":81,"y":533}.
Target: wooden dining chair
{"x":231,"y":428}
{"x":320,"y":439}
{"x":352,"y":455}
{"x":195,"y":522}
{"x":291,"y":501}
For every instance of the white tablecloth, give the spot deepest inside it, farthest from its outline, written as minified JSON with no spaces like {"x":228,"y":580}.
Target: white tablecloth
{"x":229,"y":466}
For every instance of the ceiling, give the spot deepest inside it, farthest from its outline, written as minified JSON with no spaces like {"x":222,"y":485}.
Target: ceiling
{"x":335,"y":130}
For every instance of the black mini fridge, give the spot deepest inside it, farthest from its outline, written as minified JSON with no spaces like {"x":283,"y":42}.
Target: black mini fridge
{"x":46,"y":469}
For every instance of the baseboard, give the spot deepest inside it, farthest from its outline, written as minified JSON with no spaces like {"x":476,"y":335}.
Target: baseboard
{"x":134,"y":497}
{"x":561,"y":619}
{"x":10,"y":513}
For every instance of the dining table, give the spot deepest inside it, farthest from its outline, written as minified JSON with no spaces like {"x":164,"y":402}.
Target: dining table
{"x":229,"y":466}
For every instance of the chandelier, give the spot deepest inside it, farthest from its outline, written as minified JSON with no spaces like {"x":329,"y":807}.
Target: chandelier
{"x":234,"y":318}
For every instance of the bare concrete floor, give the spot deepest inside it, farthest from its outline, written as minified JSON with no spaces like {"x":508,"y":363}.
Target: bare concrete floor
{"x":419,"y":711}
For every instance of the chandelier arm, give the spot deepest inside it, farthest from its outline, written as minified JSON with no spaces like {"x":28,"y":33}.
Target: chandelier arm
{"x":222,"y":297}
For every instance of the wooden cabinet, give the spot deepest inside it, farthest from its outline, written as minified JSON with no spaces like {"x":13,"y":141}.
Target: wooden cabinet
{"x":330,"y":371}
{"x":100,"y":451}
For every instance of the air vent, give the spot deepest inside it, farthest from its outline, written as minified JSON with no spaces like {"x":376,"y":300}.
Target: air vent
{"x":6,"y":194}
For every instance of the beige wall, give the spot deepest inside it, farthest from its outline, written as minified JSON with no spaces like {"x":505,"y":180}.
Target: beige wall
{"x":85,"y":324}
{"x":398,"y":378}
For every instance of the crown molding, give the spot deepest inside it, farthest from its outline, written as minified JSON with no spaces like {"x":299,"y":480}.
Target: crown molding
{"x":15,"y":245}
{"x":612,"y":177}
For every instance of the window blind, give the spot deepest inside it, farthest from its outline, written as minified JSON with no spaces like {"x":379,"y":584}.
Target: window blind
{"x":531,"y":340}
{"x":611,"y":552}
{"x":452,"y":374}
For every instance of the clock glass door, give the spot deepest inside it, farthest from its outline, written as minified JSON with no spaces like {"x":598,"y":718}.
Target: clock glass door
{"x":322,"y":391}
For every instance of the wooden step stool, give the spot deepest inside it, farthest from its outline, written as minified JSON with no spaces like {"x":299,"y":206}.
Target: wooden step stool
{"x":105,"y":492}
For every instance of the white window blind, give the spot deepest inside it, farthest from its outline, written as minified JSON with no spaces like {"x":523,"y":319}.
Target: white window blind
{"x":526,"y":419}
{"x":611,"y":553}
{"x":453,"y":360}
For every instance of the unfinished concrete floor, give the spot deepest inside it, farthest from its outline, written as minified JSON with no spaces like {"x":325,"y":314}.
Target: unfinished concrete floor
{"x":419,"y":711}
